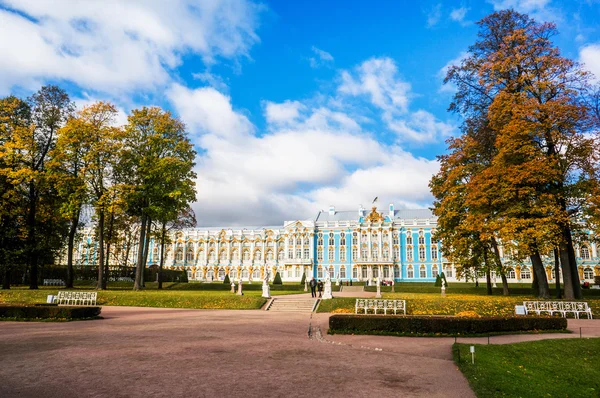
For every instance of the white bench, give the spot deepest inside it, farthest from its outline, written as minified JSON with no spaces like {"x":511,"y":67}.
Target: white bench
{"x":54,"y":282}
{"x":558,"y":307}
{"x":76,"y":298}
{"x":382,"y":305}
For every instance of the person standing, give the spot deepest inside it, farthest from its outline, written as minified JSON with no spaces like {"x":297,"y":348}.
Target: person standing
{"x":320,"y":288}
{"x":313,"y":286}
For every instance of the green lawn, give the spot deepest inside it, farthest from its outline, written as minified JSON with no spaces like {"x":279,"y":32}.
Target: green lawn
{"x":452,"y":304}
{"x":174,"y":295}
{"x":546,"y":368}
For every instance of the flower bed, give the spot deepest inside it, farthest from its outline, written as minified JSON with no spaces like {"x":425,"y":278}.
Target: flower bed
{"x":47,"y":312}
{"x":425,"y":325}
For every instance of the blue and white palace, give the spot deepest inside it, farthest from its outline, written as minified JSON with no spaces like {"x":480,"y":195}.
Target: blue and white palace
{"x":359,"y":245}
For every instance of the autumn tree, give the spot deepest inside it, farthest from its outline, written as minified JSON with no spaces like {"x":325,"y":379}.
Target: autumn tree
{"x":526,"y":97}
{"x":159,"y":159}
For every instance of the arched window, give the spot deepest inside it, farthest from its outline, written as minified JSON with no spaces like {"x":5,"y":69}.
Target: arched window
{"x":585,"y":253}
{"x":364,"y":272}
{"x":342,"y":272}
{"x":434,"y":271}
{"x":290,"y":253}
{"x":298,"y":241}
{"x":588,"y":273}
{"x":396,"y":271}
{"x":422,"y":272}
{"x":269,"y":255}
{"x":210,"y":275}
{"x":297,"y":272}
{"x":510,"y":273}
{"x":298,"y":252}
{"x":235,"y":255}
{"x":421,"y":238}
{"x":422,"y":253}
{"x":396,"y":253}
{"x":410,"y":273}
{"x":280,"y":254}
{"x":386,"y":253}
{"x":386,"y":272}
{"x":342,"y":239}
{"x":222,"y":255}
{"x":245,"y":274}
{"x":221,"y":274}
{"x":354,"y":272}
{"x":364,"y":252}
{"x":395,"y":239}
{"x":374,"y":251}
{"x":179,"y":254}
{"x":246,"y":255}
{"x":342,"y":253}
{"x":255,"y":273}
{"x":320,"y":272}
{"x":331,"y":253}
{"x":448,"y":271}
{"x":320,"y":240}
{"x":199,"y":273}
{"x":306,"y":252}
{"x":354,"y":238}
{"x":233,"y":273}
{"x":306,"y":242}
{"x":434,"y":252}
{"x":155,"y":254}
{"x":375,"y":272}
{"x":257,"y":255}
{"x":355,"y":253}
{"x":320,"y":254}
{"x":525,"y":273}
{"x":409,"y":240}
{"x":331,"y":271}
{"x":409,"y":253}
{"x":189,"y":253}
{"x":331,"y":240}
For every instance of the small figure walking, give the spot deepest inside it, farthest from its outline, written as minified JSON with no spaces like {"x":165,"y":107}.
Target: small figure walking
{"x":313,"y":286}
{"x":320,"y":288}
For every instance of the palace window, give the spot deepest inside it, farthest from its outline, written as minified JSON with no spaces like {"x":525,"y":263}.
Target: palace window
{"x":306,"y":242}
{"x":320,"y":254}
{"x":386,"y":253}
{"x":297,"y":272}
{"x":234,"y":255}
{"x":298,"y":253}
{"x":386,"y":272}
{"x":298,"y":241}
{"x":255,"y":273}
{"x":396,"y":253}
{"x":409,"y":253}
{"x":233,"y":274}
{"x":320,"y":272}
{"x":588,"y":273}
{"x":342,"y":272}
{"x":422,"y":253}
{"x":421,"y":238}
{"x":434,"y":252}
{"x":354,"y":273}
{"x":585,"y":253}
{"x":354,"y":253}
{"x":422,"y":272}
{"x":342,"y":239}
{"x":375,"y":272}
{"x":448,"y":271}
{"x":306,"y":253}
{"x":331,"y":253}
{"x":212,"y":255}
{"x":525,"y":273}
{"x":395,"y":239}
{"x":189,"y":253}
{"x":331,"y":271}
{"x":257,"y":255}
{"x":342,"y":253}
{"x":410,"y":272}
{"x":290,"y":253}
{"x":210,"y":275}
{"x":354,"y":238}
{"x":434,"y":271}
{"x":364,"y":252}
{"x":280,"y":254}
{"x":396,"y":272}
{"x":245,"y":274}
{"x":409,"y":240}
{"x":364,"y":272}
{"x":331,"y":240}
{"x":269,"y":255}
{"x":221,"y":274}
{"x":510,"y":273}
{"x":320,"y":240}
{"x":222,"y":255}
{"x":289,"y":272}
{"x":179,"y":255}
{"x":198,"y":273}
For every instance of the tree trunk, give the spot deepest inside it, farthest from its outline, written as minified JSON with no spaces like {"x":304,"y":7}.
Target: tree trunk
{"x":557,"y":273}
{"x":100,"y":286}
{"x":146,"y":247}
{"x":32,"y":244}
{"x":500,"y":267}
{"x":162,"y":254}
{"x":543,"y":290}
{"x":577,"y":293}
{"x":488,"y":276}
{"x":139,"y":269}
{"x":109,"y":239}
{"x":70,"y":245}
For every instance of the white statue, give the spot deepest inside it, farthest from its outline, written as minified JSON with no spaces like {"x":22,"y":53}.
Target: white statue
{"x":239,"y":292}
{"x":378,"y":295}
{"x":327,"y":289}
{"x":443,"y":287}
{"x":266,"y":290}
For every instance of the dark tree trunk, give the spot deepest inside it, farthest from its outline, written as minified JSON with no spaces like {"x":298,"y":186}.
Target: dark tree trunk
{"x":109,"y":239}
{"x":577,"y":293}
{"x":70,"y":246}
{"x":543,"y":290}
{"x":32,"y":243}
{"x":139,"y":268}
{"x":162,"y":254}
{"x":488,"y":276}
{"x":557,"y":273}
{"x":100,"y":286}
{"x":500,"y":267}
{"x":146,"y":247}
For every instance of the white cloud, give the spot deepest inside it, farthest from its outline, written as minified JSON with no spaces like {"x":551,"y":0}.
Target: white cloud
{"x":299,"y":165}
{"x":115,"y":46}
{"x":590,"y":56}
{"x":421,"y":126}
{"x":459,"y":14}
{"x":321,"y":58}
{"x":537,"y":9}
{"x":449,"y":87}
{"x":434,"y":15}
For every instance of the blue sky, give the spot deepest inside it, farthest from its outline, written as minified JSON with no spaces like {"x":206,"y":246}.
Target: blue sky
{"x":293,"y":106}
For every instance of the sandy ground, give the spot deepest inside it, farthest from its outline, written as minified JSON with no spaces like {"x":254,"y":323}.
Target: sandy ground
{"x":147,"y":352}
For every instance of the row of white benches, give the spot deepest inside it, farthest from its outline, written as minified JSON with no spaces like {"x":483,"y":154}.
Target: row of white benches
{"x":367,"y":305}
{"x":75,"y":298}
{"x":558,"y":307}
{"x":54,"y":282}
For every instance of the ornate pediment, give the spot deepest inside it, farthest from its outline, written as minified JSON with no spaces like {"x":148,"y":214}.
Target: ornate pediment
{"x":374,"y":216}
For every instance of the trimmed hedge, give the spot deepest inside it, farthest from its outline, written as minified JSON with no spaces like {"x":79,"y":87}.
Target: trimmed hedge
{"x":48,"y":312}
{"x":372,"y":324}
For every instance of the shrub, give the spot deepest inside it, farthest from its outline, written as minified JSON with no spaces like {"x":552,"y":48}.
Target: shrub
{"x":227,"y":281}
{"x":277,"y":280}
{"x":443,"y":276}
{"x":48,"y":312}
{"x":303,"y":281}
{"x":438,"y":281}
{"x":597,"y":280}
{"x":370,"y":324}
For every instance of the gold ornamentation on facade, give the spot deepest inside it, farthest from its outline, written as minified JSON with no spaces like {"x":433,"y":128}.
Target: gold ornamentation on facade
{"x":374,"y":216}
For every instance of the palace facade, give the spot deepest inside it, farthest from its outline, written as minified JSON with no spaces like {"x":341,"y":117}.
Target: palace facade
{"x":358,"y":245}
